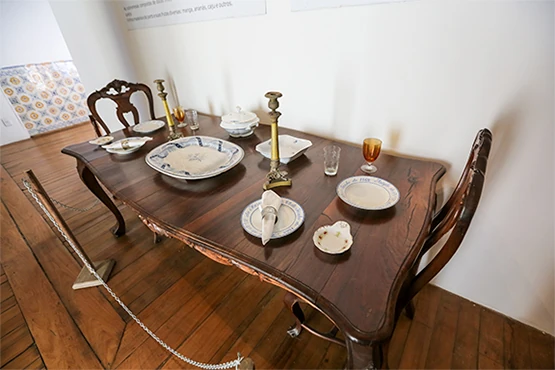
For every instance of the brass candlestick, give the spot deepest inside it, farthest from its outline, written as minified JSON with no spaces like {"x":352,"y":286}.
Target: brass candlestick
{"x":171,"y":127}
{"x":276,"y":177}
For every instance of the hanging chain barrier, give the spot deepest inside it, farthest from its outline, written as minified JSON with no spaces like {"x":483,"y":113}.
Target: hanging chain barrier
{"x":96,"y":201}
{"x":226,"y":365}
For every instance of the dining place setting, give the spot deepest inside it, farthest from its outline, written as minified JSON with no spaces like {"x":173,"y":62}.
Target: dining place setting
{"x":199,"y":157}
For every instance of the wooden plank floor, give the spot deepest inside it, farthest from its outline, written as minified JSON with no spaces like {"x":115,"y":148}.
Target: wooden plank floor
{"x":205,"y":310}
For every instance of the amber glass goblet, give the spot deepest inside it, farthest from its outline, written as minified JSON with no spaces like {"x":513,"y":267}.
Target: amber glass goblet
{"x":179,"y":114}
{"x":371,"y":148}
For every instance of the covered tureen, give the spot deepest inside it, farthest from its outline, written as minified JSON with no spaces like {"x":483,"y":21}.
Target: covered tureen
{"x":240,"y":123}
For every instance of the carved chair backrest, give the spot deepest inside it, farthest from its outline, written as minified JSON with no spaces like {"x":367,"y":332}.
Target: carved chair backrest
{"x":96,"y":126}
{"x":119,"y":92}
{"x":456,"y":215}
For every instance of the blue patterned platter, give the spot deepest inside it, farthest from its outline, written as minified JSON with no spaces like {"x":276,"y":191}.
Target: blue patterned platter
{"x":290,"y":218}
{"x":368,"y":193}
{"x":195,"y":157}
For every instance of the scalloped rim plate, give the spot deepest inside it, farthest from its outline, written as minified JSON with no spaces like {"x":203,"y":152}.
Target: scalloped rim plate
{"x":333,"y":239}
{"x":290,"y":218}
{"x":368,"y":192}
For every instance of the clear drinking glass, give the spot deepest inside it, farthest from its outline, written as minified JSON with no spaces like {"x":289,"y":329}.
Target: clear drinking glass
{"x":192,"y":119}
{"x":371,"y":148}
{"x":331,"y":159}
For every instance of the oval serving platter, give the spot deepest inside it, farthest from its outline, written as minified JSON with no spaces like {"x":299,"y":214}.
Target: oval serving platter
{"x":195,"y":157}
{"x":368,"y":192}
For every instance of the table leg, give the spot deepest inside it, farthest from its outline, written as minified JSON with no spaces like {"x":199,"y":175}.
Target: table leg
{"x":360,"y":356}
{"x":91,"y":182}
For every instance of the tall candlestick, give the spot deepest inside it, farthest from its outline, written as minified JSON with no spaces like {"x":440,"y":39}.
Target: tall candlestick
{"x":171,"y":127}
{"x":276,"y":177}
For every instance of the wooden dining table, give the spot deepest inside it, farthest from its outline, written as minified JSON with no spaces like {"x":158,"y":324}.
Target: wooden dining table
{"x":356,"y":290}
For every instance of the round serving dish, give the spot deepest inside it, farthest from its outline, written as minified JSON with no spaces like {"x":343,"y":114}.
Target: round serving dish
{"x":240,"y":123}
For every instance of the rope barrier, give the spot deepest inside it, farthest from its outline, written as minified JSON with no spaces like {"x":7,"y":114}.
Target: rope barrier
{"x":226,"y":365}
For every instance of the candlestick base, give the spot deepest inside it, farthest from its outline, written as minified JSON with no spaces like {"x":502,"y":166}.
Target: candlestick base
{"x":174,"y":134}
{"x":276,"y":177}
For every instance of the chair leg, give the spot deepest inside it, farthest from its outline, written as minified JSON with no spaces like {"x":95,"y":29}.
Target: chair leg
{"x":157,"y":238}
{"x":385,"y":353}
{"x":409,"y":310}
{"x":292,"y":303}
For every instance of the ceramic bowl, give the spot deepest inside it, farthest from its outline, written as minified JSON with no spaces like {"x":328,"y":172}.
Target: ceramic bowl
{"x":333,"y":239}
{"x":290,"y":148}
{"x":240,"y":123}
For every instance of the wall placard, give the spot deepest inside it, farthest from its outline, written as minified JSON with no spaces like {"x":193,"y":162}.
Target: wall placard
{"x":300,"y":5}
{"x":154,"y":13}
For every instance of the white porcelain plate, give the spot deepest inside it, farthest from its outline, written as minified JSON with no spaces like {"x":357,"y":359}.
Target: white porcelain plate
{"x":124,"y":151}
{"x":290,"y":218}
{"x":333,"y":239}
{"x":103,"y":140}
{"x":195,"y":157}
{"x":148,"y":126}
{"x":368,"y":193}
{"x":290,"y":148}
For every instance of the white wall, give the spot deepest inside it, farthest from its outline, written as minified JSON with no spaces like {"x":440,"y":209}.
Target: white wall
{"x":422,"y":75}
{"x":29,"y":33}
{"x":98,"y":42}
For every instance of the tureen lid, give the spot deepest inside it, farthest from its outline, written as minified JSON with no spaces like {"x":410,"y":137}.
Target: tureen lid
{"x":240,"y":117}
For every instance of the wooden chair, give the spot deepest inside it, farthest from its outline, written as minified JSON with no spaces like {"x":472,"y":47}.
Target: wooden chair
{"x":95,"y":126}
{"x":454,"y":217}
{"x":119,"y":92}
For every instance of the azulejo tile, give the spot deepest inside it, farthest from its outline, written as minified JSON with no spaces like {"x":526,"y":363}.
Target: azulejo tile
{"x":45,"y":96}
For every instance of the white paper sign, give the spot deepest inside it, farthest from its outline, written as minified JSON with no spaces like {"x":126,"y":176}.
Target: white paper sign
{"x":299,"y":5}
{"x":154,"y":13}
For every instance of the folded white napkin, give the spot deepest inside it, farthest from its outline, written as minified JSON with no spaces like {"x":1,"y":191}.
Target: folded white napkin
{"x":269,"y":209}
{"x":128,"y":143}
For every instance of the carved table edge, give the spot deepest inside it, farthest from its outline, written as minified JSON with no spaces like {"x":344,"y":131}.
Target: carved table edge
{"x":230,"y":261}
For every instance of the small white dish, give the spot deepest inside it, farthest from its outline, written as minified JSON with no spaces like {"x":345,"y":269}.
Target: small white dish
{"x":103,"y":140}
{"x":290,"y":218}
{"x":148,"y":126}
{"x":125,"y":151}
{"x":333,"y":239}
{"x":368,"y":193}
{"x":290,"y":148}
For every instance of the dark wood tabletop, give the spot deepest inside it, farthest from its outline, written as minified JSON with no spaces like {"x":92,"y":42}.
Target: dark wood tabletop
{"x":357,"y":290}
